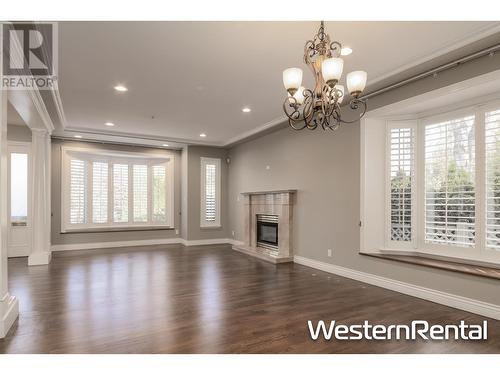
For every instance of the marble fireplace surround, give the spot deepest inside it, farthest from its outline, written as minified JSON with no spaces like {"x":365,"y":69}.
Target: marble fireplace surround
{"x":273,"y":202}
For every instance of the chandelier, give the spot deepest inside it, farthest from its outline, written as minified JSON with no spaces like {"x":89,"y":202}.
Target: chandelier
{"x":306,"y":108}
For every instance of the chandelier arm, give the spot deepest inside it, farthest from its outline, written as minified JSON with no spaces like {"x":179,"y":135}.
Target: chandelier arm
{"x":294,"y":127}
{"x":321,"y":105}
{"x":335,"y":48}
{"x":355,"y":104}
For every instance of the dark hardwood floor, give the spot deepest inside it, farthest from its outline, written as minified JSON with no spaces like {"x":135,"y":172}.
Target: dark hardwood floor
{"x":171,"y":299}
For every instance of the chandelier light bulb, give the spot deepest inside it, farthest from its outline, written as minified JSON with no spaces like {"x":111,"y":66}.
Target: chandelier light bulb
{"x":292,"y":79}
{"x":332,"y":70}
{"x":356,"y":82}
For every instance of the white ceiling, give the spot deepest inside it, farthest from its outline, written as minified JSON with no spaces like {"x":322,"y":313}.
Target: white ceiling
{"x":195,"y":77}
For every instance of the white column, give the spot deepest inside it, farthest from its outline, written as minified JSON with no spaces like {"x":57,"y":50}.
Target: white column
{"x":40,"y":198}
{"x":9,"y":306}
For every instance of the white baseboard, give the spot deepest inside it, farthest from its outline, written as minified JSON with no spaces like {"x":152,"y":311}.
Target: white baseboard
{"x":161,"y":241}
{"x":9,"y":311}
{"x":467,"y":304}
{"x":39,"y":258}
{"x":110,"y":244}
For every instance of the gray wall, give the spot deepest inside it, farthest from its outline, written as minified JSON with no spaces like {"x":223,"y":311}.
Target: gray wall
{"x":18,"y":133}
{"x":325,"y":169}
{"x":193,"y":197}
{"x":58,"y":238}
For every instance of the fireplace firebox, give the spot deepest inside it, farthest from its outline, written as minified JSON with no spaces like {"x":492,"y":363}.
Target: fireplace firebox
{"x":267,"y":231}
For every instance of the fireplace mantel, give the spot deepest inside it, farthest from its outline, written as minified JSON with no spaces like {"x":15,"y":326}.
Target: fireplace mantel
{"x":269,"y":202}
{"x":289,"y":191}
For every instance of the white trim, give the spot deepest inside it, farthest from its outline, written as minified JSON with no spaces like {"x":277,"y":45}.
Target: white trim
{"x":9,"y":306}
{"x":160,"y":241}
{"x":39,"y":258}
{"x":110,"y":244}
{"x":452,"y":300}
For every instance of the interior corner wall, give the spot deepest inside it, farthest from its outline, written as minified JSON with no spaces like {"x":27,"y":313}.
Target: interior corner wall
{"x":18,"y":133}
{"x":325,"y":169}
{"x":192,"y":198}
{"x":58,"y":238}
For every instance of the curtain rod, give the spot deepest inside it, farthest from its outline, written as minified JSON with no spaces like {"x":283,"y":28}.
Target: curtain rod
{"x":487,"y":51}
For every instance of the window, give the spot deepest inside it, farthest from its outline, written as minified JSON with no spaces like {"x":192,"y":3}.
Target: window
{"x":442,"y":186}
{"x":450,"y":198}
{"x":106,"y":189}
{"x":210,"y":192}
{"x":401,"y":176}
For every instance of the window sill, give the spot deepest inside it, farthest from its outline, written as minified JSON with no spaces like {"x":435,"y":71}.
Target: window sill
{"x":117,"y":229}
{"x":471,"y":269}
{"x":210,"y":226}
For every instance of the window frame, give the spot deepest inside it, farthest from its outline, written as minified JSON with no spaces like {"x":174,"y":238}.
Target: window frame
{"x":204,"y":161}
{"x":477,"y":253}
{"x":114,"y":157}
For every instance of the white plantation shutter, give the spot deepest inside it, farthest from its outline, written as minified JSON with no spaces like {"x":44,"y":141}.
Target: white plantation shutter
{"x":140,"y":188}
{"x":210,"y":192}
{"x":77,"y":194}
{"x":401,"y":183}
{"x":450,"y":196}
{"x":120,"y":193}
{"x":210,"y":171}
{"x":99,"y":192}
{"x":115,"y":189}
{"x":492,"y":149}
{"x":159,"y":194}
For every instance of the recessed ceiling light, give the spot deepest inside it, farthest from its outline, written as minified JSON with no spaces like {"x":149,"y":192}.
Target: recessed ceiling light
{"x":109,"y":124}
{"x":164,"y":145}
{"x":345,"y":51}
{"x":203,"y":135}
{"x":246,"y":110}
{"x":121,"y":88}
{"x":78,"y":136}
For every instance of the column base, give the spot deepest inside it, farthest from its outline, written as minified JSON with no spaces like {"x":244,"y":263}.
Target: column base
{"x":9,"y":310}
{"x":39,"y":258}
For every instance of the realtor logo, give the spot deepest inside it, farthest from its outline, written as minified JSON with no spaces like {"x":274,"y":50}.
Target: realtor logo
{"x":29,"y":52}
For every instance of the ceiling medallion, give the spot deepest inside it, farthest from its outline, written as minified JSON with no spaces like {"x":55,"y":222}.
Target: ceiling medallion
{"x":307,"y":108}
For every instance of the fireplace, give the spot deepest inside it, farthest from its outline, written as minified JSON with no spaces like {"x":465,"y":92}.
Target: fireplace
{"x":267,"y":231}
{"x":268,"y":223}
